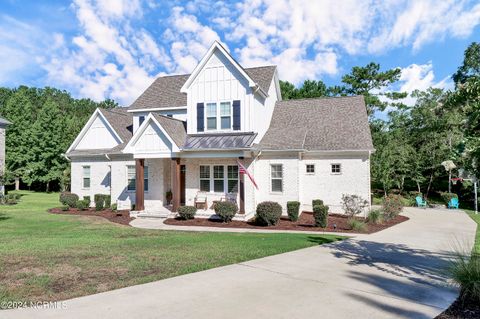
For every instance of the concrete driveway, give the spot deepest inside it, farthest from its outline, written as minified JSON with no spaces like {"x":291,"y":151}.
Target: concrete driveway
{"x":396,"y":273}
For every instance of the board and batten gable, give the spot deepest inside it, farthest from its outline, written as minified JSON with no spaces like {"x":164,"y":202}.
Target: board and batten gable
{"x":219,"y":81}
{"x":262,"y":110}
{"x":98,"y":136}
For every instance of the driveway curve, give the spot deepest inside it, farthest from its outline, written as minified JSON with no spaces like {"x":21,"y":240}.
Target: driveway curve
{"x":396,"y":273}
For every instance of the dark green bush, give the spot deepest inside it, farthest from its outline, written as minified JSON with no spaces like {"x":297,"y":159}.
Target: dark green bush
{"x":446,"y":196}
{"x":82,"y":204}
{"x":68,"y":199}
{"x":187,"y":212}
{"x":320,"y":214}
{"x":17,"y":196}
{"x":268,"y":213}
{"x":11,"y":200}
{"x":99,"y":201}
{"x":108,"y":200}
{"x":392,"y":206}
{"x":316,"y":202}
{"x":64,"y":208}
{"x":87,"y":198}
{"x":114,"y":206}
{"x":293,"y":209}
{"x":226,"y":210}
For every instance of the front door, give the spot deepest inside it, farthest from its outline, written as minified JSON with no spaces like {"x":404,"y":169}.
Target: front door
{"x":182,"y":184}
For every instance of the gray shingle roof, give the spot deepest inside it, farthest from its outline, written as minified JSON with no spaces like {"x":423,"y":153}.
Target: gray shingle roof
{"x":323,"y":124}
{"x":176,"y":129}
{"x":165,"y":91}
{"x":121,"y":121}
{"x":219,"y":141}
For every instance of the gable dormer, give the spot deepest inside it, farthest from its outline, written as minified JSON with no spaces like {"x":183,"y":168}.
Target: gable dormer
{"x":220,"y":94}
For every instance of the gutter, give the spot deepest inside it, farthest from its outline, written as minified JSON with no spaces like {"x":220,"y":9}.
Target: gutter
{"x":68,"y":159}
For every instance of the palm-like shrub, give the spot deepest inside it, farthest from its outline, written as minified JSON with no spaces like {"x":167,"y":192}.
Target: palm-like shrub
{"x":187,"y":212}
{"x":293,"y":209}
{"x":356,"y":225}
{"x":226,"y":210}
{"x":465,"y":271}
{"x":375,"y":217}
{"x":268,"y":213}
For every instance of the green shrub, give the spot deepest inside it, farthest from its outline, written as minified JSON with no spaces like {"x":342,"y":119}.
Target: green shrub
{"x":268,"y":213}
{"x":320,"y":213}
{"x":82,"y":204}
{"x":68,"y":199}
{"x":316,"y":202}
{"x":108,"y":200}
{"x":392,"y":206}
{"x":446,"y":196}
{"x":87,"y":198}
{"x":356,"y":225}
{"x":99,"y":201}
{"x":114,"y":207}
{"x":293,"y":208}
{"x":375,"y":217}
{"x":64,"y":208}
{"x":465,"y":271}
{"x":17,"y":196}
{"x":226,"y":210}
{"x":187,"y":212}
{"x":353,"y":204}
{"x":11,"y":200}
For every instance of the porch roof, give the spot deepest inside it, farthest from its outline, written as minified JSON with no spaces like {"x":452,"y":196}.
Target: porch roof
{"x":217,"y":141}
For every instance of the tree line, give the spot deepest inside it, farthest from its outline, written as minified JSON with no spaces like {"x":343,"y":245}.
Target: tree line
{"x":44,"y":124}
{"x":414,"y":142}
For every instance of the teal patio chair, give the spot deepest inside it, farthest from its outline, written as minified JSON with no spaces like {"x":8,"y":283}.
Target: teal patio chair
{"x":421,"y":202}
{"x":453,"y":203}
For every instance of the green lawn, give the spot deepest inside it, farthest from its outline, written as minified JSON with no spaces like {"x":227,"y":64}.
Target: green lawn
{"x":46,"y":257}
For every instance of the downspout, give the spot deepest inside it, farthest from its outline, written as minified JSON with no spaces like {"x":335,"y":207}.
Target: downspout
{"x":110,"y":177}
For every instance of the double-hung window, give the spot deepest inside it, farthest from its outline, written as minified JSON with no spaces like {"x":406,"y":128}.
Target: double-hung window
{"x":204,"y":178}
{"x":276,"y":171}
{"x":225,"y":116}
{"x":86,"y":177}
{"x":232,"y":183}
{"x":218,"y":178}
{"x":211,"y":116}
{"x":131,"y":178}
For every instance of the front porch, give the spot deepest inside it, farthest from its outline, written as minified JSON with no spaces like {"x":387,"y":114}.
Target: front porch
{"x":199,"y":182}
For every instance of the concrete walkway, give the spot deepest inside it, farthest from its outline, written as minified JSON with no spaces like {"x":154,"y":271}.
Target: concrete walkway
{"x":396,"y":273}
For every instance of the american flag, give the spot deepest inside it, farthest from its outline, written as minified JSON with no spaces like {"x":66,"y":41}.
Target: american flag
{"x":243,"y":170}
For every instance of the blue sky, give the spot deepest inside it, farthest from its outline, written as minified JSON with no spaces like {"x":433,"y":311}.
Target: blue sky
{"x":115,"y":48}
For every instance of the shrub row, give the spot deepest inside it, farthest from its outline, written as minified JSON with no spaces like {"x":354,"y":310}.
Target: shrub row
{"x":72,"y":200}
{"x":102,"y":201}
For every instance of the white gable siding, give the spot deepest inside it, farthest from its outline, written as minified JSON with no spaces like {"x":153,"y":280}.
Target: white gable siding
{"x":262,"y":111}
{"x":98,"y":136}
{"x":219,"y":81}
{"x":152,"y":140}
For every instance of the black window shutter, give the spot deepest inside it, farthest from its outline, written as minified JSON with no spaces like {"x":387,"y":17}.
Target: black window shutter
{"x":236,"y":115}
{"x":200,"y":117}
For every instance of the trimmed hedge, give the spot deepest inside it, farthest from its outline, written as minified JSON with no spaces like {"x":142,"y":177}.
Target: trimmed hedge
{"x":114,"y":206}
{"x":68,"y":199}
{"x":320,"y":213}
{"x":316,"y":202}
{"x":99,"y":201}
{"x":226,"y":210}
{"x":83,"y":204}
{"x":87,"y":198}
{"x":187,"y":212}
{"x":268,"y":213}
{"x":293,"y":209}
{"x":108,"y":200}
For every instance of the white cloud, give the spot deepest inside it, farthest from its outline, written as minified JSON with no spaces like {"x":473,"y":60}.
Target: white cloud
{"x":420,"y":77}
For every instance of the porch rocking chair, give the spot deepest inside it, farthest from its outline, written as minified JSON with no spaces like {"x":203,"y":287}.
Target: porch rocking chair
{"x":201,"y":200}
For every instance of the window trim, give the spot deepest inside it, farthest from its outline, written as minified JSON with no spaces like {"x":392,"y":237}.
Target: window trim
{"x":200,"y":178}
{"x":276,"y":178}
{"x":147,"y":178}
{"x":89,"y":176}
{"x":233,"y":179}
{"x":212,"y":178}
{"x":339,"y":168}
{"x":306,"y":169}
{"x":218,"y":116}
{"x":218,"y":179}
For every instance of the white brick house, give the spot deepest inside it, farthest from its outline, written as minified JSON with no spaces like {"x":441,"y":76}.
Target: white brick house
{"x":186,"y":134}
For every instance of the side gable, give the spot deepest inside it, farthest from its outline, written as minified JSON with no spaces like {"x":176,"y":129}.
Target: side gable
{"x":97,"y":133}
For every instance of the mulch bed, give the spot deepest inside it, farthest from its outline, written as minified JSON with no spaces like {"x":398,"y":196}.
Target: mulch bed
{"x":304,"y":223}
{"x":458,"y":309}
{"x":120,"y":217}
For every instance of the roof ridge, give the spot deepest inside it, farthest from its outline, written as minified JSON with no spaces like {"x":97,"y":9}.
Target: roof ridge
{"x":114,"y":111}
{"x":168,"y":117}
{"x":321,"y":98}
